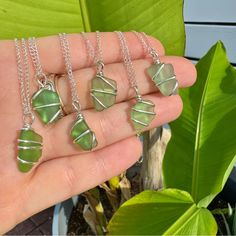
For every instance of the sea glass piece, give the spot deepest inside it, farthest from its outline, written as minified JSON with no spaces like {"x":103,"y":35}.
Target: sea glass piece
{"x":83,"y":136}
{"x":29,"y":149}
{"x":142,"y":114}
{"x":103,"y":92}
{"x":163,"y":76}
{"x":47,"y":104}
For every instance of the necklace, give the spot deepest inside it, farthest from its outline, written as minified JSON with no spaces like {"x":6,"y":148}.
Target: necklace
{"x":81,"y":134}
{"x":29,"y":142}
{"x":103,"y":89}
{"x":46,"y":101}
{"x":142,"y":113}
{"x":162,"y":74}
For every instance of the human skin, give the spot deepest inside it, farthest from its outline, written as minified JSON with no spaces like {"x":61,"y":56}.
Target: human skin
{"x":65,"y":170}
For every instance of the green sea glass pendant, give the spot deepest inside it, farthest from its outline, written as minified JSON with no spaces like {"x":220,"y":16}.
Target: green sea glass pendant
{"x":46,"y":102}
{"x":103,"y":92}
{"x":164,"y":78}
{"x":82,"y":135}
{"x":142,"y":114}
{"x":29,"y":149}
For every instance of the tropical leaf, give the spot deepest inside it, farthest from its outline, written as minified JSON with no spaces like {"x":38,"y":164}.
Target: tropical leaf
{"x":166,"y":212}
{"x":201,"y":153}
{"x":160,"y":18}
{"x":20,"y":18}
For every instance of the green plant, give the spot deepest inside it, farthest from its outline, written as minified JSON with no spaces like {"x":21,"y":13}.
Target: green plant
{"x":228,"y":218}
{"x":160,"y":18}
{"x":198,"y":161}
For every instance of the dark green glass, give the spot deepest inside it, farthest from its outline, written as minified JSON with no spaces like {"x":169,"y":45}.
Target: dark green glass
{"x":83,"y":136}
{"x":29,"y":149}
{"x":46,"y":102}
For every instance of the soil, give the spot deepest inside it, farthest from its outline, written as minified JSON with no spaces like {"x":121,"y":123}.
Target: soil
{"x":78,"y":226}
{"x":219,"y":203}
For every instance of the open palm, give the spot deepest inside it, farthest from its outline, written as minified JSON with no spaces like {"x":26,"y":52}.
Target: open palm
{"x":65,"y":170}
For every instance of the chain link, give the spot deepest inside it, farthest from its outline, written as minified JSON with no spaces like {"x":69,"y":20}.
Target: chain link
{"x":33,"y":49}
{"x":34,"y":54}
{"x":89,"y":48}
{"x":127,"y":59}
{"x":96,"y":55}
{"x":67,"y":58}
{"x":147,"y":47}
{"x":24,"y":80}
{"x":99,"y":48}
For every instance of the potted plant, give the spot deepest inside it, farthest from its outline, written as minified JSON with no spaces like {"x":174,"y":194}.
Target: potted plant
{"x":198,"y":160}
{"x":187,"y":204}
{"x":201,"y":153}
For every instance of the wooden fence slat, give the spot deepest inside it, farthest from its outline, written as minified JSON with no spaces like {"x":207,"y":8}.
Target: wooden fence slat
{"x":199,"y":38}
{"x":223,"y":11}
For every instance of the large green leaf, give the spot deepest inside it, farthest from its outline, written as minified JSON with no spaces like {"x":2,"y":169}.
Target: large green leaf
{"x":24,"y":18}
{"x":160,"y":18}
{"x":202,"y":150}
{"x":167,"y":212}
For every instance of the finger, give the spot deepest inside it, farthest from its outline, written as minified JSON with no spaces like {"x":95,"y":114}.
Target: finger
{"x":110,"y":126}
{"x":51,"y":55}
{"x":184,"y":70}
{"x":57,"y":180}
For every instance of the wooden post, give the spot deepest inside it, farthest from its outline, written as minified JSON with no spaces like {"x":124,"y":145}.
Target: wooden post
{"x":154,"y":146}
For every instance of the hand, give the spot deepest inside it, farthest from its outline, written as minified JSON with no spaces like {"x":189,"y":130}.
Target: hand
{"x":65,"y":170}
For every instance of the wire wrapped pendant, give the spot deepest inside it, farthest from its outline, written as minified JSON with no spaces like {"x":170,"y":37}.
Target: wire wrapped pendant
{"x":82,"y":135}
{"x":164,"y":78}
{"x":29,"y":148}
{"x":103,"y":92}
{"x":46,"y":102}
{"x":142,"y":114}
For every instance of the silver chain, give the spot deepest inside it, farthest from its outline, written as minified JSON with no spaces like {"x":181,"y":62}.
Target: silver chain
{"x":143,"y":38}
{"x":99,"y":60}
{"x":34,"y":53}
{"x":128,"y":64}
{"x":99,"y":47}
{"x":95,"y":55}
{"x":24,"y":80}
{"x":89,"y":47}
{"x":67,"y":58}
{"x":127,"y":59}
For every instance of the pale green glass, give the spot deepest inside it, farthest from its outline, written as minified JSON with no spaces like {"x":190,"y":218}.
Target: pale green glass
{"x":163,"y":76}
{"x":103,"y":92}
{"x":142,"y":114}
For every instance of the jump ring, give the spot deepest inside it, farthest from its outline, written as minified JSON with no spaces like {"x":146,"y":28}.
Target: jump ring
{"x":100,"y":66}
{"x":28,"y":119}
{"x":41,"y":79}
{"x":55,"y":78}
{"x":76,"y":105}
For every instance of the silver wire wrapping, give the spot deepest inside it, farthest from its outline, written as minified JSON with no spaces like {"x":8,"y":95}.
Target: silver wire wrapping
{"x":162,"y":74}
{"x":103,"y":90}
{"x":142,"y":113}
{"x":30,"y":143}
{"x":80,"y":132}
{"x":46,"y":101}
